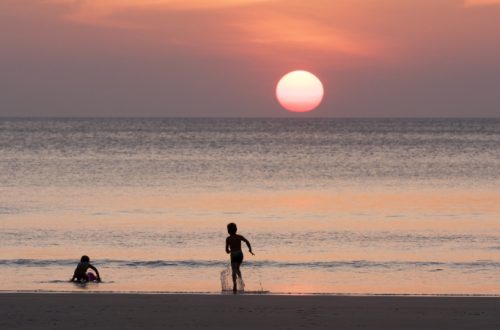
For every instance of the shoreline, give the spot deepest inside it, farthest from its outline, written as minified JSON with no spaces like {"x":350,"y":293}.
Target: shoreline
{"x":192,"y":311}
{"x":252,"y":293}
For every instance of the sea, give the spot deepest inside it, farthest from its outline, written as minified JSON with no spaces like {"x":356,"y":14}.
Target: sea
{"x":330,"y":206}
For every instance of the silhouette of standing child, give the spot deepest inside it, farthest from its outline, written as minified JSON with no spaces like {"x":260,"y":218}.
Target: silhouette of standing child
{"x":81,"y":274}
{"x":233,"y":246}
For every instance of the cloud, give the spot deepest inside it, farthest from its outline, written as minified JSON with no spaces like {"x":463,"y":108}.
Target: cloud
{"x":476,"y":3}
{"x":288,"y":31}
{"x":257,"y":27}
{"x":104,"y":12}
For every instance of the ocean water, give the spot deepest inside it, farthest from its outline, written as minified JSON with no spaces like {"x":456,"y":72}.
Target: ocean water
{"x":360,"y":206}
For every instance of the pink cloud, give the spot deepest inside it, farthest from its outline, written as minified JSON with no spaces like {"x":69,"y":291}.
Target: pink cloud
{"x":255,"y":27}
{"x":475,"y":3}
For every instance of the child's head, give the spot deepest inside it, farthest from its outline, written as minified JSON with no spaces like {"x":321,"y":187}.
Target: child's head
{"x":231,"y":228}
{"x":85,"y":259}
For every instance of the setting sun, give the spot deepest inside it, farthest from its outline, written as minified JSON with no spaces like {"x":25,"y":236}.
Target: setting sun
{"x":299,"y":91}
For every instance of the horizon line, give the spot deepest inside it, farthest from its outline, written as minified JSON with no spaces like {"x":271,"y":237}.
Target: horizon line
{"x":241,"y":117}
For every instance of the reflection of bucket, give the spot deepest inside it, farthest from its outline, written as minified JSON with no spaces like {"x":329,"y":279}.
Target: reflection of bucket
{"x":226,"y":281}
{"x":91,"y":277}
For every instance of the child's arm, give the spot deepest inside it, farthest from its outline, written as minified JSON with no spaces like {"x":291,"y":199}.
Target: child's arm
{"x":227,"y":246}
{"x":96,"y":272}
{"x":74,"y":276}
{"x":248,"y":244}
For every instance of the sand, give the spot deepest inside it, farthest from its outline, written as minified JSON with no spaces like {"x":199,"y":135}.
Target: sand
{"x":194,"y":311}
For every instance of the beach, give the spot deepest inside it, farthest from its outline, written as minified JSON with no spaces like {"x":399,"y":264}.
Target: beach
{"x":193,"y":311}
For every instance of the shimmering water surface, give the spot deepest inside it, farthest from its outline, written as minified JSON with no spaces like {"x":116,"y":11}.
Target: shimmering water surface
{"x":407,"y":206}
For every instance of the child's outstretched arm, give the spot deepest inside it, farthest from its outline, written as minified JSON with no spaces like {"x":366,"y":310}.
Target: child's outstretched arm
{"x":248,"y":244}
{"x":96,"y":272}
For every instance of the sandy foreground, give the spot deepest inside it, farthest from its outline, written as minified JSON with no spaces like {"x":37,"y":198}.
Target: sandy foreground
{"x":193,"y":311}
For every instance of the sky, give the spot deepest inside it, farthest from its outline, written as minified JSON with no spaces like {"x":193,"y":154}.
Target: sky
{"x":223,"y":58}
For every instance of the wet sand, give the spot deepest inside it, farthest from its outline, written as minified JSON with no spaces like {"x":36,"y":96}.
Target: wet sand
{"x":190,"y":311}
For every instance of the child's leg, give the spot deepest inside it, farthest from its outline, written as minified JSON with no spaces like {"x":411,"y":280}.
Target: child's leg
{"x":238,"y":271}
{"x":234,"y":273}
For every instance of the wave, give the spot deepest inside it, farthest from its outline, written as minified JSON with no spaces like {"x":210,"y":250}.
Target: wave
{"x":360,"y":264}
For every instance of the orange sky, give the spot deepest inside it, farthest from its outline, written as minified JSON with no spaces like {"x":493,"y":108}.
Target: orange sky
{"x":376,"y":57}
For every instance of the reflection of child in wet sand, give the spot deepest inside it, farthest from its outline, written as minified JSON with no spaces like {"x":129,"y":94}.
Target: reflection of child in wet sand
{"x":81,"y":274}
{"x":233,"y":246}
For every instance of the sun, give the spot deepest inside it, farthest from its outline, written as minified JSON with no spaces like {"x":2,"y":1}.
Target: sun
{"x":299,"y":91}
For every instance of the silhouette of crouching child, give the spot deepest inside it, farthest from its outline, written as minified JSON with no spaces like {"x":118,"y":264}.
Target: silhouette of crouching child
{"x":80,"y":273}
{"x":233,"y":247}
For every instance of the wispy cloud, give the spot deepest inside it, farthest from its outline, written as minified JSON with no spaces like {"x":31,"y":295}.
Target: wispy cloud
{"x":285,"y":31}
{"x":105,"y":12}
{"x":253,"y":26}
{"x":475,"y":3}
